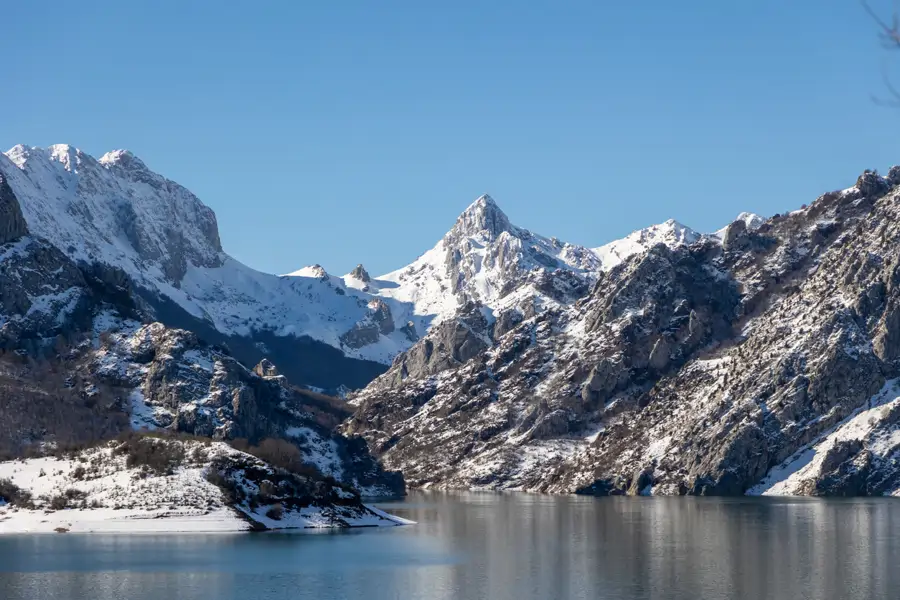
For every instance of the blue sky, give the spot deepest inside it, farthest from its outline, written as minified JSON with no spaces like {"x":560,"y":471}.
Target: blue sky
{"x":345,"y":132}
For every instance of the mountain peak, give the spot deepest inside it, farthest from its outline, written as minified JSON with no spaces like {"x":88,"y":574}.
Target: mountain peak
{"x":360,"y":273}
{"x":671,"y":233}
{"x":483,"y":218}
{"x":752,"y":220}
{"x":123,"y":158}
{"x":68,"y":156}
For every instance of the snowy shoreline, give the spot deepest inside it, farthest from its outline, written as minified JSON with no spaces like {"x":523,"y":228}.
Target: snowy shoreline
{"x":224,"y":521}
{"x":97,"y":491}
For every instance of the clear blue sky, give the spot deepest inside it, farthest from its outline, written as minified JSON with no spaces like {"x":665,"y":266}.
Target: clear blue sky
{"x":345,"y":132}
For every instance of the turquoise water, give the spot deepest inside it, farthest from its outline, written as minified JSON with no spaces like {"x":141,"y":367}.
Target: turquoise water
{"x":503,"y":546}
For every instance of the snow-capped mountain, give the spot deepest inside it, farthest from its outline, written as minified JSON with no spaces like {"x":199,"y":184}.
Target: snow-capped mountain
{"x":117,"y":212}
{"x":764,"y":360}
{"x":671,"y":233}
{"x":485,"y":260}
{"x":327,"y":331}
{"x":81,"y":361}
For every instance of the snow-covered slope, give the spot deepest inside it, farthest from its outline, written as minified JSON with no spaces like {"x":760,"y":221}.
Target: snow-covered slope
{"x":175,"y":381}
{"x":483,"y":259}
{"x":868,"y":440}
{"x":671,"y":233}
{"x":124,"y":486}
{"x":118,"y":212}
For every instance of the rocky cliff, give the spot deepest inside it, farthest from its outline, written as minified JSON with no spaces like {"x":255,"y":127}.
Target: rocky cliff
{"x":761,"y":360}
{"x":81,"y":360}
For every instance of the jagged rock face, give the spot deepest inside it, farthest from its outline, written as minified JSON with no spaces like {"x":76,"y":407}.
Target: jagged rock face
{"x":116,"y":212}
{"x":82,"y":354}
{"x":360,"y":273}
{"x":381,"y":316}
{"x":549,"y":376}
{"x":483,"y":219}
{"x":12,"y":222}
{"x":42,"y":294}
{"x":752,"y":366}
{"x":379,"y":321}
{"x":265,"y":368}
{"x":110,"y":199}
{"x":409,"y":330}
{"x":733,"y":234}
{"x":448,"y":344}
{"x":183,"y":384}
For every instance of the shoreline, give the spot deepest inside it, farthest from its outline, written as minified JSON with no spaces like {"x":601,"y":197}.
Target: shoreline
{"x":220,"y":521}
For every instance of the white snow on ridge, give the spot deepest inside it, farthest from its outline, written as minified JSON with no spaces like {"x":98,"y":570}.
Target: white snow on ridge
{"x":423,"y":287}
{"x":484,"y":258}
{"x":116,"y":211}
{"x":671,"y":233}
{"x":751,"y":220}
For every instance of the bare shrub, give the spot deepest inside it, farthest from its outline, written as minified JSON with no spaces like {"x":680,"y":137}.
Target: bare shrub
{"x":47,"y":396}
{"x":157,"y":456}
{"x":275,"y":512}
{"x":58,"y":503}
{"x":232,"y":494}
{"x":13,"y":494}
{"x":280,"y":454}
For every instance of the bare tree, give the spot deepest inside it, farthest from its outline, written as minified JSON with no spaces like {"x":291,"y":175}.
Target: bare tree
{"x":889,"y":32}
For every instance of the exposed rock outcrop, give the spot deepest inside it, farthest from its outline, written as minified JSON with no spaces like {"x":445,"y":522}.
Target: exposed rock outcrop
{"x":359,"y":272}
{"x":12,"y":222}
{"x":718,"y":368}
{"x":181,"y":383}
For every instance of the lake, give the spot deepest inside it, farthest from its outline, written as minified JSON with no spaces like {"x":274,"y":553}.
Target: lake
{"x":499,"y":546}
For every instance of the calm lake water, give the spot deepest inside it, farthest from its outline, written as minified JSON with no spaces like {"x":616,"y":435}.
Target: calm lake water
{"x":496,"y":546}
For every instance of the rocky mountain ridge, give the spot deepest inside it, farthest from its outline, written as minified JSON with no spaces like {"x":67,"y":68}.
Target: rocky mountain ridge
{"x":327,"y":332}
{"x":81,"y":360}
{"x":117,"y":213}
{"x":759,"y":360}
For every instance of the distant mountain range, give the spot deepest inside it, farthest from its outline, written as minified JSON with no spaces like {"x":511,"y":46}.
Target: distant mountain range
{"x":761,"y":358}
{"x":118,"y":212}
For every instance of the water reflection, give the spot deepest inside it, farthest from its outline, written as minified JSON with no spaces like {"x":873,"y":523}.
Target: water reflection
{"x":503,"y":546}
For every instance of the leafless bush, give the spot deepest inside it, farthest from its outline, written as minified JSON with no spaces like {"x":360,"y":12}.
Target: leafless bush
{"x":153,"y":455}
{"x":275,"y":512}
{"x":232,"y":493}
{"x":280,"y":454}
{"x":44,"y":401}
{"x":889,"y":32}
{"x":58,"y":503}
{"x":13,"y":494}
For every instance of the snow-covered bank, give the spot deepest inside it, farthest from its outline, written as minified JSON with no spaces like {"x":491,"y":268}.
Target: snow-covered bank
{"x":223,"y":520}
{"x":176,"y":486}
{"x":869,"y":437}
